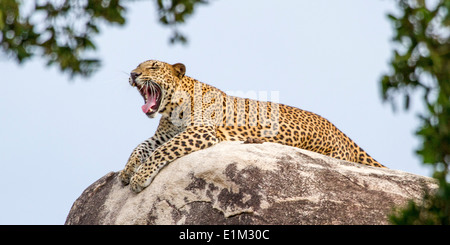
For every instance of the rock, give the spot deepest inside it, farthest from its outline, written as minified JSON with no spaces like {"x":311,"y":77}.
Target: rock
{"x":236,"y":183}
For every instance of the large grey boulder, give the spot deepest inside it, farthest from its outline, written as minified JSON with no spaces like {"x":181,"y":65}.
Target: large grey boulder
{"x":236,"y":183}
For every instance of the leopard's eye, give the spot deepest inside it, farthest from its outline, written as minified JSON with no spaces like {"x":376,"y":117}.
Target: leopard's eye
{"x":153,"y":67}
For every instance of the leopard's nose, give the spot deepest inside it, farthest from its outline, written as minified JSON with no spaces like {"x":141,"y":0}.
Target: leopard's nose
{"x":134,"y":75}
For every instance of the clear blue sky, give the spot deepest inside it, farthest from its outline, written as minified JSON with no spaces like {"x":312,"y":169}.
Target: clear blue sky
{"x":58,"y":136}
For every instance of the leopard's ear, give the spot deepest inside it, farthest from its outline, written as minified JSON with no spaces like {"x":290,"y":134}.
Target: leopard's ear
{"x":179,"y":69}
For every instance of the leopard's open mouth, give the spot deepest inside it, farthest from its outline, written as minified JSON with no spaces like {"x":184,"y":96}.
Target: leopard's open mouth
{"x":152,"y":96}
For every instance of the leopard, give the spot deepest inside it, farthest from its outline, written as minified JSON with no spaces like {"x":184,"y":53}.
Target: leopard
{"x":196,"y":116}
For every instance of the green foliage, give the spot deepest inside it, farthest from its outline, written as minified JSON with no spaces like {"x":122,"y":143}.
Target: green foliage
{"x":175,"y":12}
{"x":59,"y":31}
{"x":434,"y":209}
{"x":421,"y":63}
{"x":62,"y":32}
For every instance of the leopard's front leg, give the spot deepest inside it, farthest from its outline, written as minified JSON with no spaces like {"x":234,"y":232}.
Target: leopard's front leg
{"x":166,"y":130}
{"x":139,"y":154}
{"x":194,"y":138}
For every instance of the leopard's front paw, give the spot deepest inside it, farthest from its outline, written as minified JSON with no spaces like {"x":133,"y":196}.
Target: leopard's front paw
{"x":129,"y":170}
{"x":138,"y":183}
{"x":143,"y":177}
{"x":124,"y":177}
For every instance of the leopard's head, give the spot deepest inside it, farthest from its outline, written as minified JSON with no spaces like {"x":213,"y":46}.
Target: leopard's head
{"x":155,"y":80}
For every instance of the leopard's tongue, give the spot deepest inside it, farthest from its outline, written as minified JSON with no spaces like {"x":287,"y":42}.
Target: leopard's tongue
{"x":151,"y":101}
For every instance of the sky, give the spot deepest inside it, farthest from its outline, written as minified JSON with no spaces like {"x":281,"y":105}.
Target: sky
{"x":58,"y":136}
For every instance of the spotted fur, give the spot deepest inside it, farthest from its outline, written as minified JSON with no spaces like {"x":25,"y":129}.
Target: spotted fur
{"x":196,"y":116}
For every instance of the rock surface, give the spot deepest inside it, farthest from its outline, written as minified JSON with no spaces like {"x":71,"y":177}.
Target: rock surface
{"x":236,"y":183}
